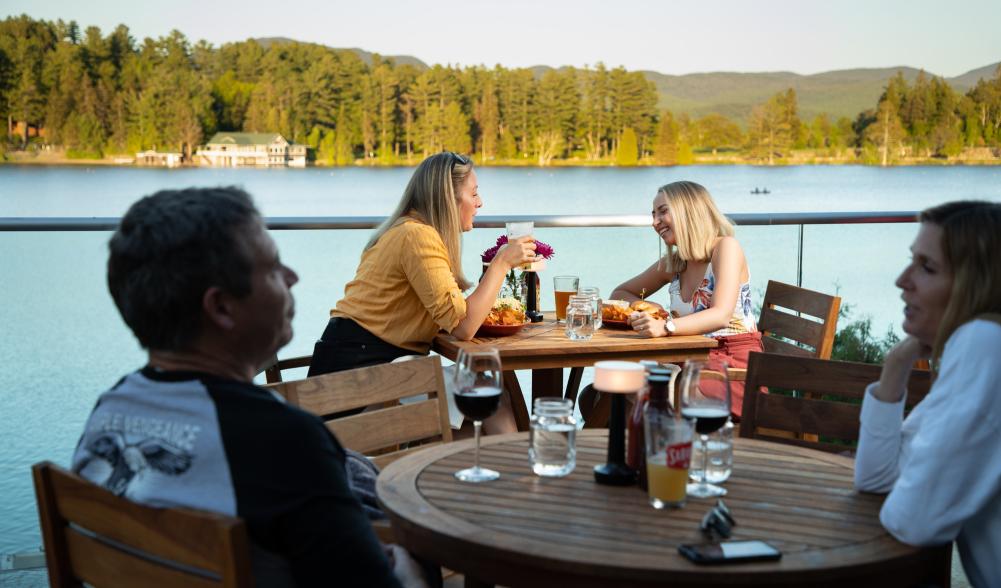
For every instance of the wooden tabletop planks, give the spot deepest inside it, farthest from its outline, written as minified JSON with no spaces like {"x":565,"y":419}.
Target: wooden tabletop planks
{"x":532,"y":531}
{"x":545,"y":345}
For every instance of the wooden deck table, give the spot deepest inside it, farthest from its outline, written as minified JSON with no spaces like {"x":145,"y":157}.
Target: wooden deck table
{"x":523,"y":530}
{"x":545,"y":349}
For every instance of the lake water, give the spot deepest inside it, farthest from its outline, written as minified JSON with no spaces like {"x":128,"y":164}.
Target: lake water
{"x":63,"y":342}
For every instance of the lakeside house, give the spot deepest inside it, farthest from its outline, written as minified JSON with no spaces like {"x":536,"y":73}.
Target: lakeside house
{"x":250,"y":149}
{"x":157,"y":158}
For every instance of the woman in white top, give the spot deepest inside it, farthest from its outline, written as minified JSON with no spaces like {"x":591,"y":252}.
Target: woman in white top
{"x":942,"y":464}
{"x":708,"y":276}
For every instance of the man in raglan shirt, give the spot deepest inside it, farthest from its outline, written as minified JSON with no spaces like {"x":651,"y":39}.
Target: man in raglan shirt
{"x":197,"y":278}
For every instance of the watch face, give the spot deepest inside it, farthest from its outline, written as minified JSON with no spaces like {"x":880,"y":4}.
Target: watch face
{"x":669,"y":325}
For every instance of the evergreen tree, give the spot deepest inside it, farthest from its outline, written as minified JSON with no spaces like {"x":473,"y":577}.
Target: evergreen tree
{"x":665,"y":149}
{"x":774,"y":126}
{"x":488,"y":118}
{"x":627,"y":154}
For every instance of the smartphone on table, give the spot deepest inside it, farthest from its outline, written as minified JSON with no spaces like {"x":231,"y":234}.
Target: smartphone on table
{"x":730,"y":552}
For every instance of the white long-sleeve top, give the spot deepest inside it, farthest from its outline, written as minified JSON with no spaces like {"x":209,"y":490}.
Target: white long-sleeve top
{"x":942,"y":465}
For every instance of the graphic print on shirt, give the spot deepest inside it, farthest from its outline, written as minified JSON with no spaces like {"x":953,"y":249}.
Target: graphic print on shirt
{"x":134,"y":447}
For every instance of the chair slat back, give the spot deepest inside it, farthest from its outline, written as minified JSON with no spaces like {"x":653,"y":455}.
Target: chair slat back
{"x":93,"y":536}
{"x":829,"y":406}
{"x":273,"y":373}
{"x":814,"y":338}
{"x":387,"y":425}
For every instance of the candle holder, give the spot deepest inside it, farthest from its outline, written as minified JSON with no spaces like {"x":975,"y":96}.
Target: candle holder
{"x":617,"y":378}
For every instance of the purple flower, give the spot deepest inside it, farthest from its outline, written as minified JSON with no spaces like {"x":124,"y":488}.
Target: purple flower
{"x":543,"y":249}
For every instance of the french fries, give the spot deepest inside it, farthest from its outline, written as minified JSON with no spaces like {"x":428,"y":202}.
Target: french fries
{"x":506,"y":311}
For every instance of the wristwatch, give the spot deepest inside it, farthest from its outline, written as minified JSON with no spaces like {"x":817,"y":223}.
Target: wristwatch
{"x":669,"y":326}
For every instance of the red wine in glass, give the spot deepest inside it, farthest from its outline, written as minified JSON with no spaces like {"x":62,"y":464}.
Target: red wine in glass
{"x":707,"y":419}
{"x":477,"y":395}
{"x":478,"y":402}
{"x":705,"y":398}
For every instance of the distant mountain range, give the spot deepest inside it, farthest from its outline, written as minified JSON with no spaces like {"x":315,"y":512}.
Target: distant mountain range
{"x":838,"y":93}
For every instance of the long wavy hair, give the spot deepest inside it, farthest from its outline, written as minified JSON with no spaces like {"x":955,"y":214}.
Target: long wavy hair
{"x":697,"y":223}
{"x":432,"y":196}
{"x":971,"y":243}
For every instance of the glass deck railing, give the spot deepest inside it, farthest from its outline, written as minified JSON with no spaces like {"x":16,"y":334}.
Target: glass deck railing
{"x":56,"y":310}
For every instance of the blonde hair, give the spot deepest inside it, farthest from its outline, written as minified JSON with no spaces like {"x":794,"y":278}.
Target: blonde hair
{"x":696,"y":223}
{"x":971,"y":243}
{"x":432,"y":196}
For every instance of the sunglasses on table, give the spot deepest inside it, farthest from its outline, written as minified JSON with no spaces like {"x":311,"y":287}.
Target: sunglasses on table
{"x":718,"y":523}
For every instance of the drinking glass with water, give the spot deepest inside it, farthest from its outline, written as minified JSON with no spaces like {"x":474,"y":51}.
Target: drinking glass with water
{"x":719,"y":453}
{"x":580,"y":318}
{"x":552,"y":450}
{"x":595,"y":295}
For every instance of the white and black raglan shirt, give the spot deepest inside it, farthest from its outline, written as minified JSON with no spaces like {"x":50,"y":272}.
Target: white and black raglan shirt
{"x":185,"y":439}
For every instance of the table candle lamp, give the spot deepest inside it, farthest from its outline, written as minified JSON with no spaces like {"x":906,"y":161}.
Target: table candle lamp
{"x":617,"y":378}
{"x":532,"y":304}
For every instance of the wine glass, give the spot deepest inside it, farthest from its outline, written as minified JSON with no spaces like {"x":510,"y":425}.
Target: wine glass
{"x":477,"y":395}
{"x":706,"y":399}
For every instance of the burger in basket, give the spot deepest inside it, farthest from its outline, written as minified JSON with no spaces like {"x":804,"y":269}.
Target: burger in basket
{"x":506,"y":311}
{"x":650,"y":308}
{"x":618,"y":311}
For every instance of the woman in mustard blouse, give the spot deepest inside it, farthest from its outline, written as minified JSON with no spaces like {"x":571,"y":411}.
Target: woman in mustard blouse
{"x":409,"y":284}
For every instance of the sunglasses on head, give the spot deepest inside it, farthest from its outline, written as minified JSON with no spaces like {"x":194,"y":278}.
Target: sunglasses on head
{"x":456,"y":158}
{"x":718,"y":522}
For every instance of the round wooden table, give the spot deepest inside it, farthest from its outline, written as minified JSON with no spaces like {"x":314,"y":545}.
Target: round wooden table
{"x":524,"y":530}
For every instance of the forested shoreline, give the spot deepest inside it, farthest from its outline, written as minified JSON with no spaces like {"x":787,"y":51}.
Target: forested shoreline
{"x":83,"y":94}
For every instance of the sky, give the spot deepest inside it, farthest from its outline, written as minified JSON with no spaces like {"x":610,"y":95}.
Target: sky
{"x":668,"y":36}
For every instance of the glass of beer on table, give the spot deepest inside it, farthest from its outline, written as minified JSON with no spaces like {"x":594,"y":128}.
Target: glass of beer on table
{"x":564,"y":287}
{"x":668,"y":456}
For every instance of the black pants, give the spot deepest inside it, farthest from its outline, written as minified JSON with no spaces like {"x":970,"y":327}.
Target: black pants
{"x":346,"y":345}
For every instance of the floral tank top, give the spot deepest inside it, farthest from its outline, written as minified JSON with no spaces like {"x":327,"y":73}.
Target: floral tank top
{"x":742,"y":319}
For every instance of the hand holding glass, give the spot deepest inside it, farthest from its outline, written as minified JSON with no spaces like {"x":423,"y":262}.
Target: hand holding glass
{"x":520,"y":229}
{"x":477,"y":395}
{"x":706,"y":399}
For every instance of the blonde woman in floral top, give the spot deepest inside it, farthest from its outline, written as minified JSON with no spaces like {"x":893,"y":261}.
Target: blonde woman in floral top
{"x":708,"y":278}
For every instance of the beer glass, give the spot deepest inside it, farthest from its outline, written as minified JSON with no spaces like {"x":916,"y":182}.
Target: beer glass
{"x":564,"y":287}
{"x":668,"y":455}
{"x":520,"y":229}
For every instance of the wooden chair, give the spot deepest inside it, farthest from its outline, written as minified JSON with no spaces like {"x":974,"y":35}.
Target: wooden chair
{"x":387,"y":425}
{"x":783,"y":331}
{"x":93,"y":536}
{"x":830,"y":409}
{"x":384,"y":385}
{"x":790,"y":334}
{"x":273,"y":373}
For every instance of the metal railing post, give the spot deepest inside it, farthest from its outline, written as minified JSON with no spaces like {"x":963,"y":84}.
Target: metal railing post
{"x":799,"y":259}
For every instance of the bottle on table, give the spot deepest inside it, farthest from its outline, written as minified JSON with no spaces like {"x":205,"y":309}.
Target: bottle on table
{"x":659,"y":385}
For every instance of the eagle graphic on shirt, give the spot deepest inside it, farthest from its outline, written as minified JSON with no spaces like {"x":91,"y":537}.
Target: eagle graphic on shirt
{"x":129,"y":460}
